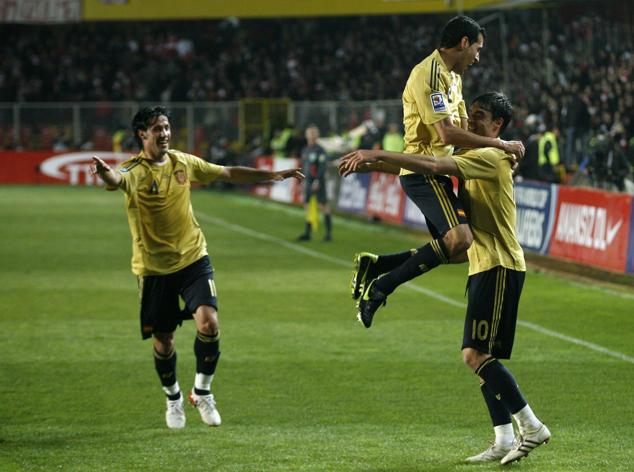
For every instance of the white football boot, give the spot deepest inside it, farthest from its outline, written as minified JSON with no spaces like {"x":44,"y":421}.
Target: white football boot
{"x":494,"y":452}
{"x":206,"y":406}
{"x":525,"y":443}
{"x":175,"y":414}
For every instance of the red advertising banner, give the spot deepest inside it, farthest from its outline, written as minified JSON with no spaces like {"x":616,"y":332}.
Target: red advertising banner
{"x":385,"y":197}
{"x":592,"y":227}
{"x":46,"y":167}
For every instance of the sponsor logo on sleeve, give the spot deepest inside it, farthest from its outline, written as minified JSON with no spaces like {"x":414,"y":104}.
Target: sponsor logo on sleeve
{"x":438,"y":102}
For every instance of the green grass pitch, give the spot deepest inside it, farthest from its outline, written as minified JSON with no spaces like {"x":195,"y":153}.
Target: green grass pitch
{"x":301,"y":385}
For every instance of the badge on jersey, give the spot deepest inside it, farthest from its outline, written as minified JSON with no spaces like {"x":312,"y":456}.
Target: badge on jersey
{"x":438,"y":102}
{"x":181,"y":177}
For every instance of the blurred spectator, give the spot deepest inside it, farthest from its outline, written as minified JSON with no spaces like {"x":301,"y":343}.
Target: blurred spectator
{"x":283,"y":141}
{"x":61,"y":142}
{"x":572,"y":64}
{"x":608,"y":166}
{"x":576,"y":122}
{"x":220,"y":151}
{"x":374,"y":131}
{"x":548,"y":162}
{"x":123,"y":139}
{"x":393,"y":138}
{"x":529,"y":167}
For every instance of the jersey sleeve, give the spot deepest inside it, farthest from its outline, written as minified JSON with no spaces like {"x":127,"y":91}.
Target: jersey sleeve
{"x":462,"y":110}
{"x":430,"y":93}
{"x":483,"y":164}
{"x":201,"y":170}
{"x":128,"y":179}
{"x":462,"y":106}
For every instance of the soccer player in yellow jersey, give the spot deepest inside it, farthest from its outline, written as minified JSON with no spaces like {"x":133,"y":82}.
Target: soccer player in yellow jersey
{"x":435,"y":120}
{"x":496,"y":271}
{"x":169,"y":253}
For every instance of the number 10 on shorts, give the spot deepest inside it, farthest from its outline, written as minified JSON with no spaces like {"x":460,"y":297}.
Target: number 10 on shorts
{"x":479,"y":330}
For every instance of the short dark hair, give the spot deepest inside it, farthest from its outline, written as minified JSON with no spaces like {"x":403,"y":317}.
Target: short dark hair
{"x":144,"y":118}
{"x":498,"y":104}
{"x":459,"y":27}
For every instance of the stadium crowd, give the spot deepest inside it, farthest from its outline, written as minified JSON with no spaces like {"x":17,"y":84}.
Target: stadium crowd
{"x":571,"y":66}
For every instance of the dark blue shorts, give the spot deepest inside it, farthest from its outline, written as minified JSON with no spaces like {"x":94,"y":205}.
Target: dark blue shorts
{"x":434,"y":196}
{"x":161,"y":294}
{"x":320,"y":193}
{"x":494,"y":296}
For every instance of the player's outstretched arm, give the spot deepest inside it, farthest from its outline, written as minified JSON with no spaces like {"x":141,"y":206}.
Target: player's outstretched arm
{"x":379,"y":166}
{"x":104,"y":171}
{"x":416,"y":163}
{"x":249,"y":175}
{"x":463,"y":138}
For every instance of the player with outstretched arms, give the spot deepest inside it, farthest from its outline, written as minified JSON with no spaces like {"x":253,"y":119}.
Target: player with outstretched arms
{"x":169,"y":253}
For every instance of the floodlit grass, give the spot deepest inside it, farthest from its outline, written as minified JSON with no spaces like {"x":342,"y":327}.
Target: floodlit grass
{"x":300,"y":385}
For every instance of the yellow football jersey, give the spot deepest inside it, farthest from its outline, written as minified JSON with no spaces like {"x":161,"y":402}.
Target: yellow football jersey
{"x":432,"y":93}
{"x":490,"y":204}
{"x":165,"y":235}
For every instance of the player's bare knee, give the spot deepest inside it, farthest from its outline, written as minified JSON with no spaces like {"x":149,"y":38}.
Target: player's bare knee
{"x":473,"y":358}
{"x":209,"y":328}
{"x":164,"y":343}
{"x":207,"y":320}
{"x":458,"y":239}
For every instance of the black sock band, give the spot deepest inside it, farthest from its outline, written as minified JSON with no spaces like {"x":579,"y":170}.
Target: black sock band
{"x":390,"y":262}
{"x":499,"y":414}
{"x":165,"y":365}
{"x":207,"y":351}
{"x":502,"y":384}
{"x":425,"y":259}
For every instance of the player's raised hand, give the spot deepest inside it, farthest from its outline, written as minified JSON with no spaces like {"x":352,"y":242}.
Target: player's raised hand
{"x":99,"y":166}
{"x":287,"y":174}
{"x":105,"y":172}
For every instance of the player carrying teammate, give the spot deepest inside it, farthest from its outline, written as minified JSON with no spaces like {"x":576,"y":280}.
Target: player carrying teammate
{"x":496,"y":271}
{"x":435,"y":120}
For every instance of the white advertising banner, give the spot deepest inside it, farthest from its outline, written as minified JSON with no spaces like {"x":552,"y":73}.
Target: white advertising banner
{"x":40,"y":11}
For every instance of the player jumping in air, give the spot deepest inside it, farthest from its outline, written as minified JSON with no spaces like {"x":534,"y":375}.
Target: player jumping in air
{"x":435,"y":120}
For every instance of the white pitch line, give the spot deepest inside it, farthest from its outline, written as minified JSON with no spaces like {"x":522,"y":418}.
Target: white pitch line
{"x":430,"y":293}
{"x":578,"y":342}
